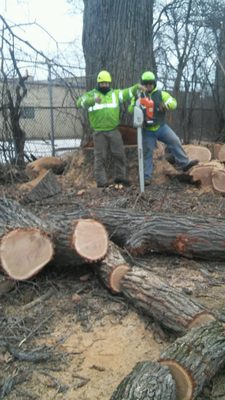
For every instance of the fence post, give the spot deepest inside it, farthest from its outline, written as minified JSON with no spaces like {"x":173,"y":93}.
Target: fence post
{"x":51,"y":109}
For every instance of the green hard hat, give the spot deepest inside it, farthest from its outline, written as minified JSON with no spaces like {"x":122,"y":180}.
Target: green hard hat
{"x":148,"y":76}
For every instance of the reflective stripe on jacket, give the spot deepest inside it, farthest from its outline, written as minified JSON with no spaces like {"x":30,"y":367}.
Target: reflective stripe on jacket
{"x":105,"y":116}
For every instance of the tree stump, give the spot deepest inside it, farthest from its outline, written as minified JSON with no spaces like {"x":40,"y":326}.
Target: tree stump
{"x":147,"y":381}
{"x":44,"y":186}
{"x":195,"y":358}
{"x":218,"y":181}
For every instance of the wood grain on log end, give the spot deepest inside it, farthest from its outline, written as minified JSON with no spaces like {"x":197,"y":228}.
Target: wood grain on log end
{"x":184,"y":382}
{"x":221,"y":153}
{"x":201,"y":319}
{"x":24,"y":252}
{"x":218,"y":181}
{"x":116,"y":277}
{"x":90,"y":240}
{"x":201,"y":153}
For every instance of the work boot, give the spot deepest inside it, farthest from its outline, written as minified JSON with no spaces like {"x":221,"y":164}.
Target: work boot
{"x":122,"y":181}
{"x":191,"y":164}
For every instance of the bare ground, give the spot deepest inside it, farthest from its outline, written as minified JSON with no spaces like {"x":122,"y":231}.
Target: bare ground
{"x":63,"y":335}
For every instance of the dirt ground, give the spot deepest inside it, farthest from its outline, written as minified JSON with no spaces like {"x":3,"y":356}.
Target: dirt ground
{"x":64,"y":335}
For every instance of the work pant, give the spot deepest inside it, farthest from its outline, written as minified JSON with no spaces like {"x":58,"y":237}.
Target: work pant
{"x":166,"y":135}
{"x":103,"y":143}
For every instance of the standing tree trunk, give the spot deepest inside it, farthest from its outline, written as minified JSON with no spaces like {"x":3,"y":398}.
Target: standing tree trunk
{"x":117,"y":36}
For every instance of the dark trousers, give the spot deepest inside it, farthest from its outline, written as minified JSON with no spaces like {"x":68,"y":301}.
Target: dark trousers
{"x":105,"y":142}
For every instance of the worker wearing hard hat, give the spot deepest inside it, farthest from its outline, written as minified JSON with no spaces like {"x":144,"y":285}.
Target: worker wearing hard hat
{"x":157,"y":102}
{"x":103,"y":105}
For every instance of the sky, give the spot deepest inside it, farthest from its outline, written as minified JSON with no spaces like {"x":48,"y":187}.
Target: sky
{"x":55,"y":16}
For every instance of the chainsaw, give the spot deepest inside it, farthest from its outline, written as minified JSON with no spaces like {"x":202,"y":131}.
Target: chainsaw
{"x":147,"y":106}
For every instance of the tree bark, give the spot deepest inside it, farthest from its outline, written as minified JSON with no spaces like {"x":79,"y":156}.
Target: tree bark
{"x":44,"y":186}
{"x":188,"y":236}
{"x":151,"y":294}
{"x":147,"y":381}
{"x":195,"y":358}
{"x":114,"y":36}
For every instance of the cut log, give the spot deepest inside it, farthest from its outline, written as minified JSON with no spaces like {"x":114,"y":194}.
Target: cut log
{"x":144,"y":233}
{"x":37,"y":167}
{"x":89,"y":240}
{"x":202,"y":173}
{"x":218,"y":181}
{"x":168,"y":306}
{"x":25,"y":241}
{"x":195,"y":358}
{"x":42,"y":187}
{"x":75,"y":242}
{"x":194,"y":152}
{"x":151,"y":294}
{"x":192,"y":237}
{"x":147,"y":381}
{"x":113,"y":268}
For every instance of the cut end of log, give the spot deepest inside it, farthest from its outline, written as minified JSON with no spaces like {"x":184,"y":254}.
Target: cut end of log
{"x":24,"y":252}
{"x":184,"y":382}
{"x":201,"y":319}
{"x":90,"y":240}
{"x":116,"y":277}
{"x":218,"y":181}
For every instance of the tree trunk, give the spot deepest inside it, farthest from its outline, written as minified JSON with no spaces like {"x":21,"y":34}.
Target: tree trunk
{"x":147,"y":381}
{"x":116,"y":37}
{"x":195,"y":358}
{"x":27,"y":241}
{"x":151,"y":294}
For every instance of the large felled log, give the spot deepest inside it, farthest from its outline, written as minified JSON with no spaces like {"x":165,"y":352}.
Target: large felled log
{"x":218,"y":181}
{"x":27,"y":241}
{"x":195,"y":358}
{"x":26,"y":244}
{"x":142,"y":233}
{"x":151,"y":294}
{"x":192,"y":237}
{"x":147,"y":381}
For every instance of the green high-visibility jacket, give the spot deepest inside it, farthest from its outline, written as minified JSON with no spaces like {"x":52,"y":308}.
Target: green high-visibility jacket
{"x":105,"y":116}
{"x":158,"y":96}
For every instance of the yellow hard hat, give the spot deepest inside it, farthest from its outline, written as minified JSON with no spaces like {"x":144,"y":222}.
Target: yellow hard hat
{"x":104,"y":76}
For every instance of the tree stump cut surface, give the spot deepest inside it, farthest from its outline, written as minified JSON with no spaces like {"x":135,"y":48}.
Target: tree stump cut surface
{"x":201,"y":153}
{"x":195,"y":358}
{"x":147,"y":381}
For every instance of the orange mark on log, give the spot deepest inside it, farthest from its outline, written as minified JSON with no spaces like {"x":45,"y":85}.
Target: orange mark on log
{"x":181,"y":242}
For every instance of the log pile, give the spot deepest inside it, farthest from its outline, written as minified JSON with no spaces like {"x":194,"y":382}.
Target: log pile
{"x":186,"y":366}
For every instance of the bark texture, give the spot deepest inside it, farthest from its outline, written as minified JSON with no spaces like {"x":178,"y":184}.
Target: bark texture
{"x":195,"y":358}
{"x":147,"y":381}
{"x":115,"y":33}
{"x":172,"y":309}
{"x":188,"y":236}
